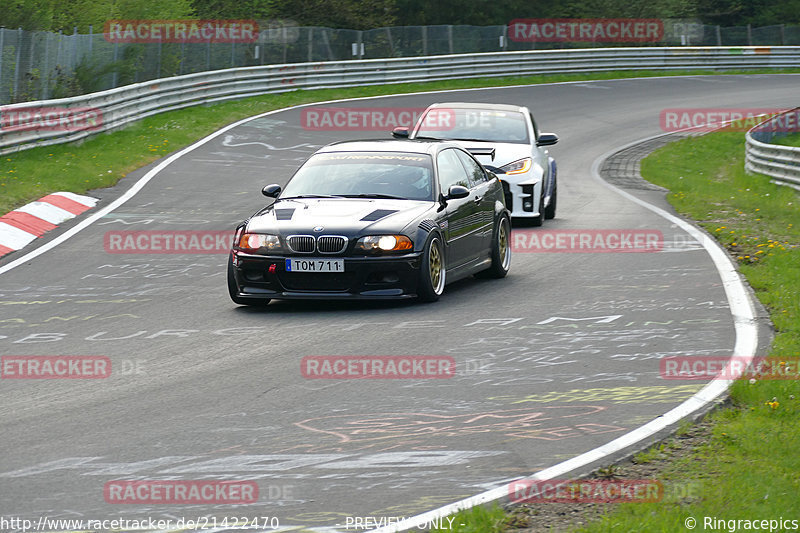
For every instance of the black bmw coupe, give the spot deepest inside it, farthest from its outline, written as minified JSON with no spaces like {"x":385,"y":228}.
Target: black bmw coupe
{"x":373,"y":220}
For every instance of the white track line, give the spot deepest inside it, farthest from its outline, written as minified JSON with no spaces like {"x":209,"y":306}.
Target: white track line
{"x":744,"y":320}
{"x":738,"y":298}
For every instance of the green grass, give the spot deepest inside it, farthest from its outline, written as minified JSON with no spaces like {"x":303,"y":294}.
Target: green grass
{"x":475,"y":520}
{"x":749,"y":468}
{"x":789,"y":140}
{"x":102,"y":160}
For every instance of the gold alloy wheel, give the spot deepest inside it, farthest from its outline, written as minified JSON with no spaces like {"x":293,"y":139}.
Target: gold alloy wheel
{"x":435,"y":267}
{"x":502,"y":244}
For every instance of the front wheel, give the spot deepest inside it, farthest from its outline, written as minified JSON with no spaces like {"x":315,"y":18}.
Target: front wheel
{"x":501,"y":251}
{"x":550,"y":210}
{"x":432,"y":270}
{"x":233,"y":290}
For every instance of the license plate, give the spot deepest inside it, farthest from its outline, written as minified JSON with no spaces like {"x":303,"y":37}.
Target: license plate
{"x":315,"y":265}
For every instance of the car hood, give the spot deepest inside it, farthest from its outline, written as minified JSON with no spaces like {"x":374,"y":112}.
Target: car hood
{"x":337,"y":216}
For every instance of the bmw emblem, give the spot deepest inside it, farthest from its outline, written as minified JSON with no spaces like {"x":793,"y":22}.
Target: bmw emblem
{"x":318,"y":229}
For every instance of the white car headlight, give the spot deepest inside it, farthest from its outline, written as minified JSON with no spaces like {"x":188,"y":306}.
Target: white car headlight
{"x":518,"y":167}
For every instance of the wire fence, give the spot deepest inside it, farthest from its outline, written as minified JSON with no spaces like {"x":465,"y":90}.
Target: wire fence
{"x":45,"y":65}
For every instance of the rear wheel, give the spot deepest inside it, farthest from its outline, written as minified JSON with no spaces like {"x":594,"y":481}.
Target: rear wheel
{"x":501,"y":251}
{"x":432,"y":270}
{"x":233,"y":291}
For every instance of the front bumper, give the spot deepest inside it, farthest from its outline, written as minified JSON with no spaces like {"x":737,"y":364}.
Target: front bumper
{"x":367,"y":278}
{"x":525,"y":200}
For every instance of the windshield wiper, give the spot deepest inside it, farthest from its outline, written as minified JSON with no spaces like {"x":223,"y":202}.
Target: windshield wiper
{"x":311,"y":196}
{"x":375,"y":195}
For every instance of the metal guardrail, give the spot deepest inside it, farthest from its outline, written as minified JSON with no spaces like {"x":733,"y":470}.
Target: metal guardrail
{"x":782,"y":163}
{"x":120,"y":106}
{"x":43,"y":65}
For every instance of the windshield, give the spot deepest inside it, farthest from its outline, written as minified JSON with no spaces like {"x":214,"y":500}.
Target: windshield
{"x":460,"y":124}
{"x":364,"y":174}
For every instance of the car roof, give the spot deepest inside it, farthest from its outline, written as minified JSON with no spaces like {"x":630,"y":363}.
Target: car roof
{"x":387,"y":145}
{"x":479,"y":105}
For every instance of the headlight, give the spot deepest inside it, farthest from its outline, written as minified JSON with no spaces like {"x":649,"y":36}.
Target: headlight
{"x":386,"y":243}
{"x":517,"y":167}
{"x":259,"y":242}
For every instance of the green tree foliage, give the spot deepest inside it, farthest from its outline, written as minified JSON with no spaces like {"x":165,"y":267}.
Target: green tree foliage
{"x":27,"y":14}
{"x":54,"y":15}
{"x":235,"y":9}
{"x":630,"y":9}
{"x":475,"y":13}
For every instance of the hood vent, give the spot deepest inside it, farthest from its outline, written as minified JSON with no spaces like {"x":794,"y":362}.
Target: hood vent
{"x":378,"y":214}
{"x":284,"y":214}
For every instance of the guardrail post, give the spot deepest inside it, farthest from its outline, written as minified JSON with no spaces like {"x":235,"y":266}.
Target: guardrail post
{"x":74,"y":47}
{"x":2,"y":37}
{"x":285,"y":43}
{"x":15,"y":93}
{"x":44,"y":92}
{"x":450,"y":37}
{"x":327,"y":44}
{"x":391,"y":42}
{"x":115,"y":75}
{"x":58,"y":48}
{"x":30,"y":63}
{"x":360,"y":44}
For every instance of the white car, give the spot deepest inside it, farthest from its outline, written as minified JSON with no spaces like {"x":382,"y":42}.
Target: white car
{"x":506,"y":140}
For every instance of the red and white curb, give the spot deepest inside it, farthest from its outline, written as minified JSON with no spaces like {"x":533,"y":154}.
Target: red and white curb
{"x":21,"y":226}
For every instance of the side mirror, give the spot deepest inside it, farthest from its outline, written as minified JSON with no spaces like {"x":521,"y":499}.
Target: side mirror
{"x":456,"y":191}
{"x":546,"y":139}
{"x":271,"y":190}
{"x":400,"y":132}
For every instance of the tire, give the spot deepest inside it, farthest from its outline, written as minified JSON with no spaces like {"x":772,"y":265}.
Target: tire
{"x":432,"y":270}
{"x":501,"y":251}
{"x":233,"y":291}
{"x":550,"y":210}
